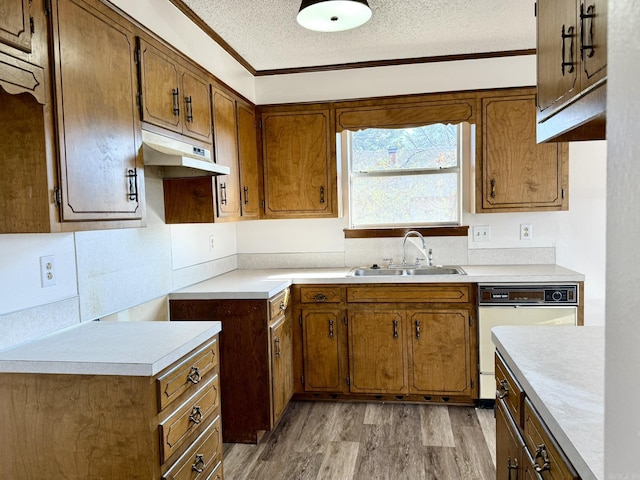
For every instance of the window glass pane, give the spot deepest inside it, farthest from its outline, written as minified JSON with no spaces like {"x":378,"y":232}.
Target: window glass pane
{"x":404,"y":199}
{"x":379,"y":149}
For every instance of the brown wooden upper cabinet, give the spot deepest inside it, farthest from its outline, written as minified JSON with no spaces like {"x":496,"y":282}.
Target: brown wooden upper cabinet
{"x":248,"y":160}
{"x":572,"y":69}
{"x":98,"y":128}
{"x":15,"y":24}
{"x":299,"y":162}
{"x":174,"y":96}
{"x":513,"y":173}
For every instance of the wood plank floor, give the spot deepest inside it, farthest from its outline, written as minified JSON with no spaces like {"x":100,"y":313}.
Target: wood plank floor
{"x":370,"y":441}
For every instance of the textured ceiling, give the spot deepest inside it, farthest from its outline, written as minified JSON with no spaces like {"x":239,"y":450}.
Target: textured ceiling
{"x":266,"y":35}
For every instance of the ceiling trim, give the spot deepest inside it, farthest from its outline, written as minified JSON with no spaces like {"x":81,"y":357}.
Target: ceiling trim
{"x":180,"y":5}
{"x":402,"y":61}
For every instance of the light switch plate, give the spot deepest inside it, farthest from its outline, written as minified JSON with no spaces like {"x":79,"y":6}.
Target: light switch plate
{"x":481,"y":233}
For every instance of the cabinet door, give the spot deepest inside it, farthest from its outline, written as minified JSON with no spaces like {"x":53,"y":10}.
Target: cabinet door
{"x":299,"y":178}
{"x":509,"y":446}
{"x":439,"y":357}
{"x":517,"y":173}
{"x":281,"y":364}
{"x":160,"y":85}
{"x":556,"y":84}
{"x":248,"y":160}
{"x":377,"y":352}
{"x":15,"y":25}
{"x":226,"y":151}
{"x":593,"y":41}
{"x":98,"y":127}
{"x":321,"y":334}
{"x":197,"y":106}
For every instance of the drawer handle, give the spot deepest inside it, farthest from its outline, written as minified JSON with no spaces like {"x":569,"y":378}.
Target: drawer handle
{"x":541,"y":452}
{"x":503,"y":390}
{"x":512,"y":466}
{"x":320,"y":297}
{"x":283,"y":307}
{"x":194,"y":376}
{"x":199,"y":465}
{"x":196,"y":415}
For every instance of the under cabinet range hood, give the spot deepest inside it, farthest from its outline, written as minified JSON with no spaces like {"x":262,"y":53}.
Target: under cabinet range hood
{"x":181,"y":156}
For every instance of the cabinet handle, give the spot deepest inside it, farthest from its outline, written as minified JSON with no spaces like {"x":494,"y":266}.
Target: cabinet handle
{"x":321,"y":194}
{"x":189,"y":107}
{"x":503,"y":390}
{"x":395,"y":329}
{"x":587,"y":44}
{"x":223,"y":193}
{"x":132,"y":175}
{"x":512,"y":466}
{"x":569,"y":64}
{"x":320,"y":297}
{"x":417,"y":328}
{"x":493,"y":188}
{"x":199,"y":465}
{"x":330,"y":328}
{"x":246,"y":195}
{"x":194,"y":375}
{"x":176,"y":101}
{"x":541,"y":452}
{"x":196,"y":415}
{"x":276,"y":341}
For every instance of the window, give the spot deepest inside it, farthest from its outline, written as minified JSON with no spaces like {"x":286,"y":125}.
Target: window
{"x":405,"y":177}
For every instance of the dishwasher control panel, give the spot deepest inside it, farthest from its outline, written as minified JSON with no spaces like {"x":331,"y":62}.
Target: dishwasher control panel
{"x":528,"y":294}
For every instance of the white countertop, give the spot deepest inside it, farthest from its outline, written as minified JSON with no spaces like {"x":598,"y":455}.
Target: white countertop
{"x":263,"y":284}
{"x":561,"y":370}
{"x":109,"y":348}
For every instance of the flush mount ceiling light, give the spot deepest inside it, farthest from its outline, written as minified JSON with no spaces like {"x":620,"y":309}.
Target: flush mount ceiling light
{"x":333,"y":15}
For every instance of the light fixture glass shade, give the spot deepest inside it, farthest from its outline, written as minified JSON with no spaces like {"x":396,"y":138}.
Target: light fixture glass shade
{"x":333,"y":15}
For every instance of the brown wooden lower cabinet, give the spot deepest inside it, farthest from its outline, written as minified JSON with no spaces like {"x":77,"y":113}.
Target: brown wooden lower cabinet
{"x":255,"y":351}
{"x":114,"y":426}
{"x":392,"y":342}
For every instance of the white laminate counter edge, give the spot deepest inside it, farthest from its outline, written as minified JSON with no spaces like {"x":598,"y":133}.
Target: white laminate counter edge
{"x":109,"y":348}
{"x":568,"y":393}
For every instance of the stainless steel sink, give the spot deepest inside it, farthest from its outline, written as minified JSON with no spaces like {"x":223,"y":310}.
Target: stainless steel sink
{"x":408,"y":271}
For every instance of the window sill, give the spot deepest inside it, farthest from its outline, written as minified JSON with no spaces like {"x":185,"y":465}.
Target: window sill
{"x":462,"y":231}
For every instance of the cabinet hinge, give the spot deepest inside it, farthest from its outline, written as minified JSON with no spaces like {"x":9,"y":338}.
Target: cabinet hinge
{"x":300,"y":319}
{"x":535,"y":9}
{"x":33,"y":28}
{"x":302,"y":379}
{"x":57,"y":196}
{"x":263,"y":206}
{"x":472,"y":383}
{"x":260,"y":123}
{"x":136,"y":55}
{"x":47,"y":7}
{"x":470,"y":320}
{"x":346,"y":320}
{"x":562,"y":192}
{"x":348,"y":381}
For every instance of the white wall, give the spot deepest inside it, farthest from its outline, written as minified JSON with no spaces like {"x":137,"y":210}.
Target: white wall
{"x":622,"y":337}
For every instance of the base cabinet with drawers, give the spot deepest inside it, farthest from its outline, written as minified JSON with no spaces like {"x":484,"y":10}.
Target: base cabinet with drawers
{"x":524,"y":446}
{"x":386,"y":342}
{"x":167,"y":426}
{"x":256,"y":348}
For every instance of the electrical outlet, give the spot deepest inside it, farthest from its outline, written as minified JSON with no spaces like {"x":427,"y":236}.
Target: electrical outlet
{"x":526,"y":231}
{"x":481,"y":233}
{"x":211,"y":243}
{"x":47,"y":271}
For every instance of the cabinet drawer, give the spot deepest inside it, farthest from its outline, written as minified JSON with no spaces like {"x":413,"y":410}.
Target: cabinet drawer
{"x":217,"y":473}
{"x":409,"y":293}
{"x":186,"y":374}
{"x":320,"y":294}
{"x":175,"y":430}
{"x":202,"y":458}
{"x":279,"y":303}
{"x":548,"y":460}
{"x":508,"y":390}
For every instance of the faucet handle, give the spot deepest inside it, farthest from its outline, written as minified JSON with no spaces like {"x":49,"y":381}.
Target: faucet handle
{"x":430,"y":257}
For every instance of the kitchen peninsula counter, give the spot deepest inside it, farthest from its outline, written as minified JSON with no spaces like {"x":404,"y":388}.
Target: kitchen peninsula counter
{"x":263,"y":284}
{"x":561,"y":370}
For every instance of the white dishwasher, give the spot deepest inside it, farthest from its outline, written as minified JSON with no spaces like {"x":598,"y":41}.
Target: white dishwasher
{"x":516,"y":304}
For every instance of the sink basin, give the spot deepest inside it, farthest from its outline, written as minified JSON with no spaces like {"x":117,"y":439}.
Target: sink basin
{"x":409,"y":271}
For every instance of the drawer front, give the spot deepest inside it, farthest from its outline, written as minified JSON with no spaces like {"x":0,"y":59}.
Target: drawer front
{"x":320,"y":294}
{"x":202,"y":458}
{"x":548,"y":461}
{"x":509,"y":390}
{"x":175,"y":430}
{"x":187,"y":374}
{"x":410,"y":293}
{"x":279,"y":304}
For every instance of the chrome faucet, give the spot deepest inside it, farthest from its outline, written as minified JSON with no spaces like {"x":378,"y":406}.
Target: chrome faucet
{"x":404,"y":246}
